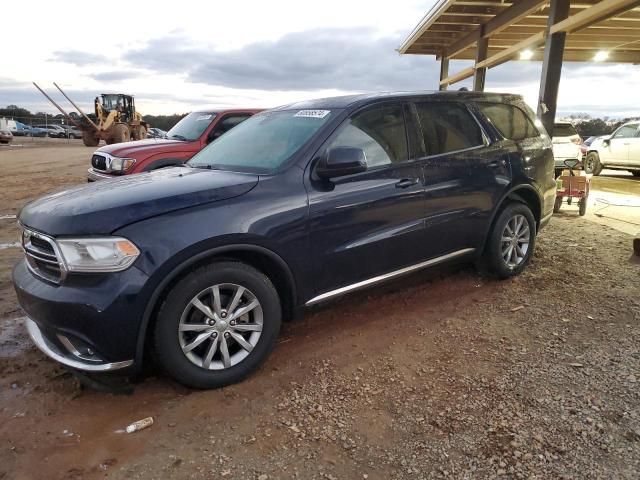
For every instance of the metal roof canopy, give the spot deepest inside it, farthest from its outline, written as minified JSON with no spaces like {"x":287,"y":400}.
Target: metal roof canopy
{"x":492,"y":32}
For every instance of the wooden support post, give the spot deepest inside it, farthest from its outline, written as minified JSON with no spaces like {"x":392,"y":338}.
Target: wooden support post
{"x":552,"y":65}
{"x":480,"y":74}
{"x":444,"y":71}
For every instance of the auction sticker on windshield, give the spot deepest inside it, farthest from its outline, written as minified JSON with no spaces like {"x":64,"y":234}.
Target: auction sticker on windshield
{"x":313,"y":113}
{"x":203,"y":117}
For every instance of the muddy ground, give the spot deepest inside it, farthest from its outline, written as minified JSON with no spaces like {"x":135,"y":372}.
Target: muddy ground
{"x":443,"y":374}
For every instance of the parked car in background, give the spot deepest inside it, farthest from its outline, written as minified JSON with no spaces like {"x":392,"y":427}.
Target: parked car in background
{"x":566,"y":145}
{"x":188,"y":136}
{"x":293,"y":207}
{"x":37,"y":132}
{"x":584,"y":147}
{"x":618,"y":151}
{"x":156,"y":133}
{"x":21,"y":130}
{"x":54,"y":131}
{"x":72,"y":131}
{"x":6,"y":136}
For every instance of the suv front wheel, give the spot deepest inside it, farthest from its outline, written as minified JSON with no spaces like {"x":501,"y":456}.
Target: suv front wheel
{"x":217,"y":325}
{"x":592,"y":164}
{"x":511,"y":242}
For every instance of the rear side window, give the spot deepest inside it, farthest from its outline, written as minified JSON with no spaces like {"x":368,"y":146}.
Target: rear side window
{"x":564,"y":130}
{"x":509,"y":120}
{"x":448,"y":127}
{"x":379,"y":131}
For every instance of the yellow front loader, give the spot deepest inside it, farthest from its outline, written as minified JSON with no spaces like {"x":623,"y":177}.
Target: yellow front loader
{"x":116,"y":119}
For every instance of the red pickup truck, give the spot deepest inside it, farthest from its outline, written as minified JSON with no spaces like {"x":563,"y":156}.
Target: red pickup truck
{"x":186,"y":138}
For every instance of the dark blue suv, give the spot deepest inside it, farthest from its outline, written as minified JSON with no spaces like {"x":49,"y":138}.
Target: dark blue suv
{"x":295,"y":206}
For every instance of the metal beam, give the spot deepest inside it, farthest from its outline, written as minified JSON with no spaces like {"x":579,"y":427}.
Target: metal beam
{"x":513,"y":14}
{"x":480,"y":73}
{"x":432,"y":15}
{"x":444,"y":71}
{"x":552,"y":64}
{"x":600,"y":11}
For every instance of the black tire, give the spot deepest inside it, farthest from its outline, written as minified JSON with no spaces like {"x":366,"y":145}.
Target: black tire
{"x":89,"y":139}
{"x":494,"y":261}
{"x":166,"y":334}
{"x":120,"y":133}
{"x":593,"y":161}
{"x":582,"y":206}
{"x":557,"y":205}
{"x":635,"y":173}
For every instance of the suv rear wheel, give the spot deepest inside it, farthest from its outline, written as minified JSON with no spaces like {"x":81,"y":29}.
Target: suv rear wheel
{"x":217,"y":325}
{"x":511,"y":242}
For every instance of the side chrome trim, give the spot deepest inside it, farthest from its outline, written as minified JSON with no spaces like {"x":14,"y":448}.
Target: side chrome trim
{"x":388,"y":276}
{"x":51,"y":351}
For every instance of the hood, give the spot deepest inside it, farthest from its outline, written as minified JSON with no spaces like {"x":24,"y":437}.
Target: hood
{"x":146,"y":148}
{"x":100,"y":208}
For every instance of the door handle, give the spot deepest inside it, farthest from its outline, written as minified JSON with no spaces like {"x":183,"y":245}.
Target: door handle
{"x":407,"y":182}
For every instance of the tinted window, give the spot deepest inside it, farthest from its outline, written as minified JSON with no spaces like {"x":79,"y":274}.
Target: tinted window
{"x":564,"y":130}
{"x":379,"y":131}
{"x":227,"y":123}
{"x":510,"y":121}
{"x":448,"y":127}
{"x":626,"y":131}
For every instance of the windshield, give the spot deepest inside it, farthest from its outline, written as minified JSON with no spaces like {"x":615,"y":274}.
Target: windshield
{"x":262,"y":143}
{"x":191,"y":126}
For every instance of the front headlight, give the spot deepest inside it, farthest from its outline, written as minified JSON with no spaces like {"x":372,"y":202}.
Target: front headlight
{"x":109,"y":254}
{"x":121,"y":164}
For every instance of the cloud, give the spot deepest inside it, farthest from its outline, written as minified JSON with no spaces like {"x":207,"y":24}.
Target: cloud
{"x":115,"y":75}
{"x":352,"y":59}
{"x":78,"y":58}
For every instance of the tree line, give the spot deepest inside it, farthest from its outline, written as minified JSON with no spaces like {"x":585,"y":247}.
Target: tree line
{"x":20,"y":114}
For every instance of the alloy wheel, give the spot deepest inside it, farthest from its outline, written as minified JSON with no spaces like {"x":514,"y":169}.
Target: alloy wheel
{"x":220,"y":326}
{"x":516,"y":237}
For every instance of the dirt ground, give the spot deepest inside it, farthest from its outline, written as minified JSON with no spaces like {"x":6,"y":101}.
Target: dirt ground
{"x":441,"y":375}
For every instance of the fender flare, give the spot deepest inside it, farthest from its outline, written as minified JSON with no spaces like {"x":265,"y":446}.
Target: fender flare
{"x":183,"y":266}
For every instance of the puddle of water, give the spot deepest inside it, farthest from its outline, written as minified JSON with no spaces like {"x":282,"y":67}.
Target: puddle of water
{"x":7,"y":217}
{"x":13,"y":338}
{"x":4,"y":246}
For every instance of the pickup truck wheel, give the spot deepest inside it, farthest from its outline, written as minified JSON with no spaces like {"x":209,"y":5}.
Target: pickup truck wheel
{"x":217,"y":325}
{"x":592,"y":164}
{"x":511,"y":241}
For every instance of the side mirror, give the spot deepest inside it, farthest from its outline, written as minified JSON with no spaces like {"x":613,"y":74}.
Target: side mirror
{"x":341,"y":161}
{"x":606,"y":142}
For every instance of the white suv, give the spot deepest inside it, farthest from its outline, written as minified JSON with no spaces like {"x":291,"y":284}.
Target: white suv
{"x":618,"y":151}
{"x":566,"y":144}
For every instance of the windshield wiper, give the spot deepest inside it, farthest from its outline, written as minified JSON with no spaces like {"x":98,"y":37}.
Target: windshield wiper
{"x":179,"y":137}
{"x":203,"y":165}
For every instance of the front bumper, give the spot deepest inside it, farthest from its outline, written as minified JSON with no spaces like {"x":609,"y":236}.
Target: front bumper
{"x":89,"y":322}
{"x":94,"y":175}
{"x":69,"y":355}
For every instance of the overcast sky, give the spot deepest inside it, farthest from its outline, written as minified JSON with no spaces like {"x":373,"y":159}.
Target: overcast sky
{"x":180,"y":55}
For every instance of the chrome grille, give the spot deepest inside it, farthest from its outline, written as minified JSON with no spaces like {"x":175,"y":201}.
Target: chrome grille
{"x":42,"y":256}
{"x":99,"y":162}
